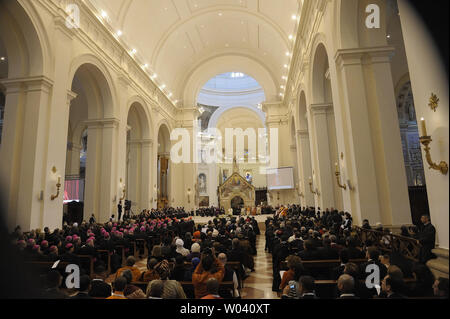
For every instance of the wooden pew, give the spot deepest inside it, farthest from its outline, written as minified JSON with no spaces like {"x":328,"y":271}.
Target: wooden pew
{"x":101,"y":251}
{"x":144,"y":243}
{"x":91,"y":263}
{"x":325,"y":289}
{"x":188,"y":287}
{"x":322,"y":264}
{"x":122,"y":248}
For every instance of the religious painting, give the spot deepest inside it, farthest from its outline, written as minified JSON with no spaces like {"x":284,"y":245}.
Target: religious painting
{"x":202,"y":187}
{"x":204,"y":201}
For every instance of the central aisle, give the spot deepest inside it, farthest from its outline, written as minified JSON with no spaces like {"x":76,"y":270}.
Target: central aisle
{"x":259,"y":284}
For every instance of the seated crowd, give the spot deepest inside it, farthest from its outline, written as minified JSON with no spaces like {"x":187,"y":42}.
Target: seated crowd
{"x":308,"y":241}
{"x":180,"y":254}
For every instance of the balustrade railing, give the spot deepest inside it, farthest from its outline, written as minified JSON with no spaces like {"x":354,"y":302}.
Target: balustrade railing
{"x":386,"y":242}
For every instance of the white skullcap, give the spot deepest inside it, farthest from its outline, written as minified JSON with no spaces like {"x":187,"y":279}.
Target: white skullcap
{"x":179,"y":242}
{"x":195,"y":248}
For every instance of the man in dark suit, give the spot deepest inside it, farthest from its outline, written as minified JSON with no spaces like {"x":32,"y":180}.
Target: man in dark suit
{"x":426,"y":236}
{"x":326,"y":252}
{"x":309,"y":252}
{"x":306,"y":287}
{"x":85,"y":286}
{"x":346,"y":287}
{"x":70,"y":256}
{"x":339,"y":270}
{"x":391,"y":287}
{"x":119,"y":209}
{"x":353,"y":252}
{"x":99,"y":288}
{"x":54,"y":280}
{"x":373,"y":256}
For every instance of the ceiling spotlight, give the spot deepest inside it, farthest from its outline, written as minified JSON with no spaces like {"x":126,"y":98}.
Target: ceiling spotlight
{"x":170,"y":94}
{"x":294,"y":17}
{"x":104,"y":14}
{"x":220,"y":14}
{"x":154,"y":76}
{"x":163,"y":87}
{"x":119,"y":33}
{"x":291,"y":37}
{"x":288,"y":53}
{"x":281,"y":94}
{"x":282,"y":86}
{"x":286,"y":66}
{"x":284,"y":77}
{"x":133,"y":51}
{"x":145,"y":66}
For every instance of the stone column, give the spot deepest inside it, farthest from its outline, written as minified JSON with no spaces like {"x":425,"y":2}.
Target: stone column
{"x":305,"y":167}
{"x":146,"y":174}
{"x":133,"y":187}
{"x":427,"y":73}
{"x":323,"y":174}
{"x":23,"y":150}
{"x":101,"y":176}
{"x":375,"y":165}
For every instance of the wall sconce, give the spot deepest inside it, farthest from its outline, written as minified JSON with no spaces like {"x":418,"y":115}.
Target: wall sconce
{"x":426,"y":140}
{"x":189,"y":195}
{"x":338,"y":180}
{"x":58,"y":185}
{"x":315,"y":192}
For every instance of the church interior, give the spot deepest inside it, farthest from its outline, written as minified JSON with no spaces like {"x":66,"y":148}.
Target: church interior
{"x":224,"y":149}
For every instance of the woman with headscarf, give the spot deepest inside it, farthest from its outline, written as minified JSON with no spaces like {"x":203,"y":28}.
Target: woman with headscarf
{"x":172,"y":289}
{"x":180,"y":248}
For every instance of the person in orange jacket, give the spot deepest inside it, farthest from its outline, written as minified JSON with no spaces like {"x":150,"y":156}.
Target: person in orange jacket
{"x":209,"y":267}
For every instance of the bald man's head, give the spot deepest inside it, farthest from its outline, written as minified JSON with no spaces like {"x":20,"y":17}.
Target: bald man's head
{"x":346,"y":284}
{"x":222,"y":258}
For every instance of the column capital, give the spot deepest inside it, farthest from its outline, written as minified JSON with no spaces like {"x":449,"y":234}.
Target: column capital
{"x":347,"y":57}
{"x":303,"y":133}
{"x":143,"y":142}
{"x":27,"y":84}
{"x":99,"y":123}
{"x":70,"y":96}
{"x":321,"y":108}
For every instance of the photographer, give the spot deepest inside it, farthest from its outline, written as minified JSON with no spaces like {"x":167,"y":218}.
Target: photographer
{"x":209,"y":267}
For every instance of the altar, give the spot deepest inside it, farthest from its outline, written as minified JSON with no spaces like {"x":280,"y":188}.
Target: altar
{"x":236,"y":193}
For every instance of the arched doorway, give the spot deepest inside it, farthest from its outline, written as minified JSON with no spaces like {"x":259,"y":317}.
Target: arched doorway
{"x":86,"y":190}
{"x":236,"y":204}
{"x":324,"y":146}
{"x":138,"y":159}
{"x":163,"y":177}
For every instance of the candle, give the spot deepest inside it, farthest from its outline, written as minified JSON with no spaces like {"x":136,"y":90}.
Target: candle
{"x":59,"y":179}
{"x":423,"y":126}
{"x":336,"y":164}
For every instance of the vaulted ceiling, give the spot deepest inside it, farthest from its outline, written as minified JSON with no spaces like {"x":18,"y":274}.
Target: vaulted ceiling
{"x":176,"y":37}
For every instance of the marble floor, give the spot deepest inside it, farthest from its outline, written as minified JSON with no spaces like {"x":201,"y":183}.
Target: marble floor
{"x":259,"y":284}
